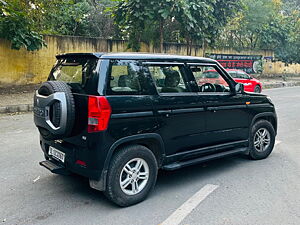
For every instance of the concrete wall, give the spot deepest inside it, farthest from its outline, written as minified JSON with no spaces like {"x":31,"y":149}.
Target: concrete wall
{"x":23,"y":67}
{"x":273,"y":68}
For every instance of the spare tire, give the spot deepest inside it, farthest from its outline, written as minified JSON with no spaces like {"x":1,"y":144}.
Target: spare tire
{"x":55,"y":110}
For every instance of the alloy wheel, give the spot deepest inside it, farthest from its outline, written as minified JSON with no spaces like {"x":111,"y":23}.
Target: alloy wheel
{"x":262,"y":139}
{"x":134,"y":176}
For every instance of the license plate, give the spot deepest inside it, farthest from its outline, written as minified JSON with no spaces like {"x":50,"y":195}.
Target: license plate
{"x":55,"y":153}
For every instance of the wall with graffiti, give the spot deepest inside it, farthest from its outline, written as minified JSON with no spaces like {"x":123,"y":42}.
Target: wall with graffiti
{"x":251,"y":64}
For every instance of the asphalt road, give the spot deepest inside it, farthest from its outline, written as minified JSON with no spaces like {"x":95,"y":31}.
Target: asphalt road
{"x":248,"y":192}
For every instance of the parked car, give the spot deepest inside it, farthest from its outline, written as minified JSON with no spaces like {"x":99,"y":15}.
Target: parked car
{"x":118,"y":118}
{"x":250,"y":84}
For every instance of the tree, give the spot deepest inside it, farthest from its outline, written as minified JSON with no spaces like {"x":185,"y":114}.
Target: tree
{"x":266,"y":24}
{"x":201,"y":22}
{"x":288,"y":49}
{"x":247,"y":29}
{"x":23,"y":22}
{"x":100,"y":21}
{"x":17,"y":27}
{"x":135,"y":16}
{"x":192,"y":20}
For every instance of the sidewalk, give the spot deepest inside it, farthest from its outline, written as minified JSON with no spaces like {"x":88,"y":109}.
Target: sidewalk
{"x":20,"y":98}
{"x":17,"y":98}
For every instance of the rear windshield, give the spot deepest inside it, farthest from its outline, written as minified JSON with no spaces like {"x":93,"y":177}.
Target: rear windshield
{"x":77,"y":70}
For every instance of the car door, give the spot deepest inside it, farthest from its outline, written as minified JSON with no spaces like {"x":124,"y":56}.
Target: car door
{"x":180,"y":115}
{"x":130,"y":99}
{"x":242,"y":77}
{"x":225,"y":112}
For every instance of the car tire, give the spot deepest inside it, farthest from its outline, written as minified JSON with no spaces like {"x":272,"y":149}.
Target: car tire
{"x":126,"y":158}
{"x":48,"y":88}
{"x":262,"y":140}
{"x":257,"y":89}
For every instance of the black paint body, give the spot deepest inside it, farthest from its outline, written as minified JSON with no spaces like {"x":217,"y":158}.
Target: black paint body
{"x":176,"y":126}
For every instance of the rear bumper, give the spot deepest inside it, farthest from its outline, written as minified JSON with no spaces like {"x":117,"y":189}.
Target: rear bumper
{"x":54,"y":167}
{"x":69,"y":165}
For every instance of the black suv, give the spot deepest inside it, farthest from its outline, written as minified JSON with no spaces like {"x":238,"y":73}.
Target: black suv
{"x":118,"y":118}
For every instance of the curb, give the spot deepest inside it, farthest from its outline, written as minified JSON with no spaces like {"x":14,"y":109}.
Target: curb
{"x":281,"y":84}
{"x":29,"y":107}
{"x":16,"y":108}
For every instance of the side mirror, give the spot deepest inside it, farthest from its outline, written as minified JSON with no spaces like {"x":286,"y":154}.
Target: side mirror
{"x":239,"y":88}
{"x":250,"y":78}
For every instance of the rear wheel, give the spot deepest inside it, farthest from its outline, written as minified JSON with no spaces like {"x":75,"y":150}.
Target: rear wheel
{"x":262,"y":140}
{"x":257,"y":89}
{"x":131,"y":176}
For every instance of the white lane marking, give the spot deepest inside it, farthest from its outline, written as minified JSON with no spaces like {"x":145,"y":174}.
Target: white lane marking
{"x":36,"y":179}
{"x":277,"y":142}
{"x":187,"y":207}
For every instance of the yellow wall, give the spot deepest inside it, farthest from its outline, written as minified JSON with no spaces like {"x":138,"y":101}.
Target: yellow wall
{"x":23,"y":67}
{"x":281,"y":68}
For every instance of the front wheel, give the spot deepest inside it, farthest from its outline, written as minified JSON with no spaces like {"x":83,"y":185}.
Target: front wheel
{"x":262,"y":140}
{"x":131,"y":175}
{"x":257,"y":89}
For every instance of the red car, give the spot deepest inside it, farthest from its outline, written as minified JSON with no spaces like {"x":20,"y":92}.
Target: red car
{"x":250,"y":84}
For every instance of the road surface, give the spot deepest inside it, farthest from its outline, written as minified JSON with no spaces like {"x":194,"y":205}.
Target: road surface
{"x":227,"y":191}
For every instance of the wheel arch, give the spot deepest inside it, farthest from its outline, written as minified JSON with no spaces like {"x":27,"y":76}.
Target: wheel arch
{"x":151,"y":140}
{"x":269,"y":116}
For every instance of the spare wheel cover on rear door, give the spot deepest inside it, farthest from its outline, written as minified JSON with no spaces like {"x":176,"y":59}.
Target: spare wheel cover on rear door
{"x":55,"y":109}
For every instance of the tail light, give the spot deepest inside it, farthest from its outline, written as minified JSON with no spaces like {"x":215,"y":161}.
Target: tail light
{"x":99,"y":112}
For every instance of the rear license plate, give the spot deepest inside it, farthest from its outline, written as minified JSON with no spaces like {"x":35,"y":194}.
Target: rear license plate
{"x":55,"y":153}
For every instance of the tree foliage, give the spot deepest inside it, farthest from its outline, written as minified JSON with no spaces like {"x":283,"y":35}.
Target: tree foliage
{"x":23,"y":22}
{"x":77,"y":17}
{"x":191,"y":20}
{"x":17,"y":26}
{"x":240,"y":24}
{"x":266,"y":24}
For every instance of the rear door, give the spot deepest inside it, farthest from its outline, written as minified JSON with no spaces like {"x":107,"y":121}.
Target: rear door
{"x":226,"y":113}
{"x":129,"y":94}
{"x":179,"y":112}
{"x":81,"y":73}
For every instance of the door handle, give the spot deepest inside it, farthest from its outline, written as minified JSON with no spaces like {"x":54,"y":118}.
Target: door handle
{"x":212,"y":109}
{"x":164,"y":112}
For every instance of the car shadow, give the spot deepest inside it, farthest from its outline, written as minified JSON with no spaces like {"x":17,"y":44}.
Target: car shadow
{"x":198,"y":172}
{"x":78,"y":187}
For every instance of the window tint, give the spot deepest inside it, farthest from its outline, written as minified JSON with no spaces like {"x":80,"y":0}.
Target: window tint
{"x":209,"y":79}
{"x":233,"y":74}
{"x":168,"y":78}
{"x":242,"y":75}
{"x":126,"y":78}
{"x":210,"y":74}
{"x":76,"y":70}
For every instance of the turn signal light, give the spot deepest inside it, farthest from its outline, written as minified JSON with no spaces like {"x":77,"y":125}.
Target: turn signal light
{"x":99,"y":112}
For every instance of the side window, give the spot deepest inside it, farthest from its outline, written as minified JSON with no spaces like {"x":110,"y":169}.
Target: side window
{"x":126,"y":78}
{"x":209,"y":79}
{"x":233,"y":74}
{"x":242,"y":75}
{"x":168,"y":78}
